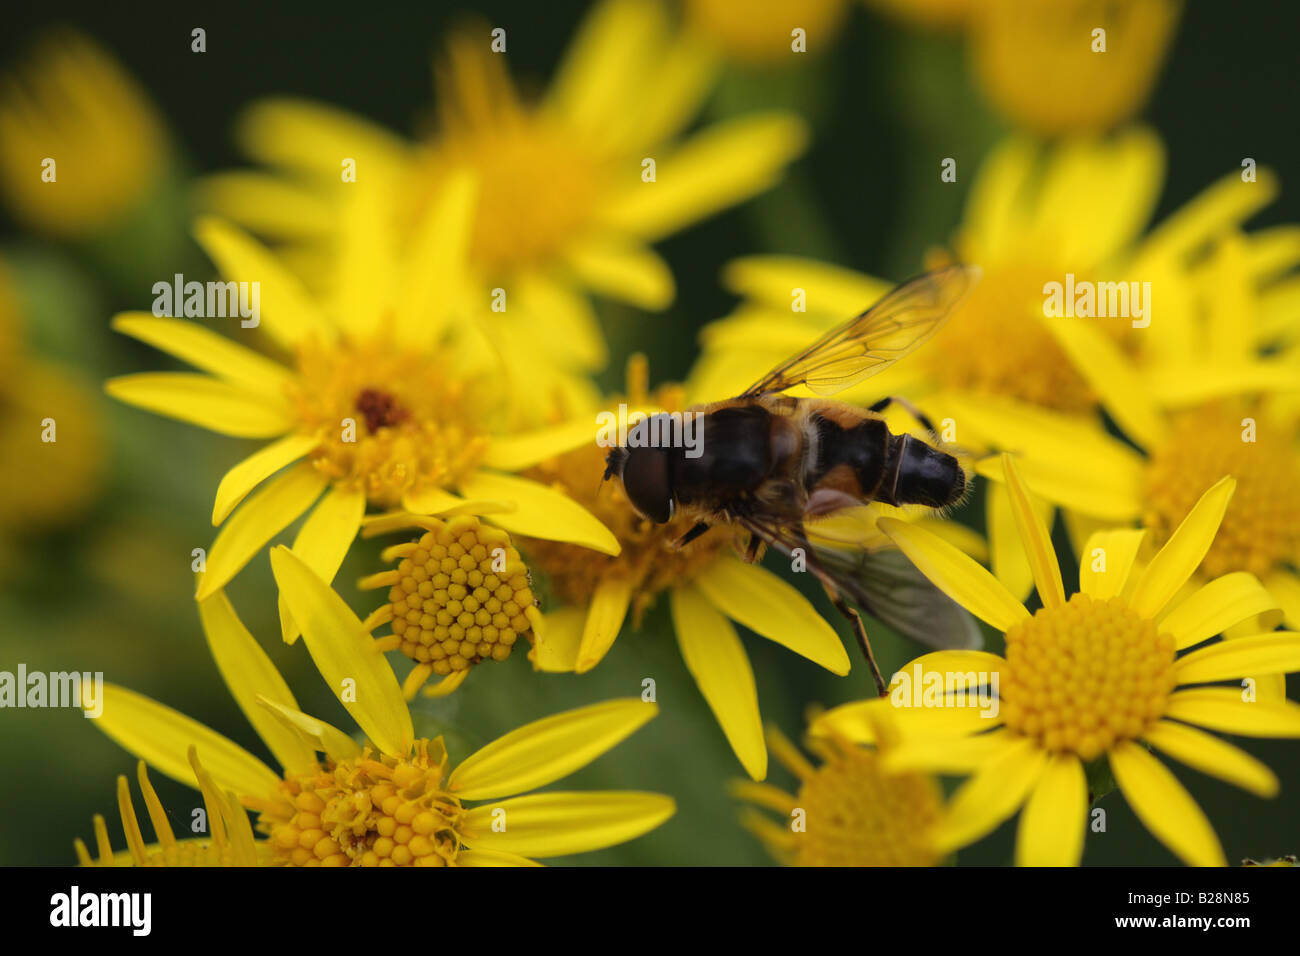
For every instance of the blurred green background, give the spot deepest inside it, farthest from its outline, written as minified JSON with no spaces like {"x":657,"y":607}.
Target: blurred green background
{"x":112,"y":592}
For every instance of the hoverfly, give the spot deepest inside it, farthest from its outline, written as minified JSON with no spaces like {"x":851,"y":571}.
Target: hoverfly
{"x":771,"y":463}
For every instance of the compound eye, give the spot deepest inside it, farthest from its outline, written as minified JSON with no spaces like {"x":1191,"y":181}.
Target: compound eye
{"x":645,"y":478}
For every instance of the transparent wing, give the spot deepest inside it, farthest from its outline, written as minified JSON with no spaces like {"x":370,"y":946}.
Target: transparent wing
{"x":885,"y":585}
{"x":896,"y":325}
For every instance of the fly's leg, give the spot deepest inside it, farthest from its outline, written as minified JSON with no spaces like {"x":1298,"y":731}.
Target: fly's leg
{"x":861,"y":632}
{"x":912,"y":410}
{"x":696,"y":530}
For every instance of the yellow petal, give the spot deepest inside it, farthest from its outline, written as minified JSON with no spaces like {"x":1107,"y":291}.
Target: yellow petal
{"x":1215,"y":607}
{"x":206,"y":350}
{"x":523,"y":450}
{"x":717,"y":660}
{"x":1079,"y":483}
{"x":1171,"y":568}
{"x":1273,"y":653}
{"x":287,"y":311}
{"x":1284,"y":586}
{"x":438,"y":254}
{"x":970,"y":585}
{"x":1164,"y":807}
{"x":1115,"y":378}
{"x":1224,"y":709}
{"x":1055,"y":817}
{"x":773,"y":608}
{"x":1211,"y":755}
{"x":556,"y":320}
{"x":559,"y":823}
{"x":324,"y":540}
{"x":268,"y":205}
{"x":329,"y":739}
{"x":340,"y":646}
{"x":542,"y":512}
{"x":249,"y":674}
{"x":308,"y":137}
{"x":992,"y":795}
{"x":548,"y":749}
{"x":256,"y":468}
{"x":857,"y":721}
{"x":605,"y":614}
{"x":1106,"y":561}
{"x":162,"y":737}
{"x":949,"y":755}
{"x":830,"y":290}
{"x":1036,"y":538}
{"x":207,"y":402}
{"x":557,"y":652}
{"x":724,"y":165}
{"x":1009,"y":562}
{"x":623,"y":270}
{"x":268,"y":512}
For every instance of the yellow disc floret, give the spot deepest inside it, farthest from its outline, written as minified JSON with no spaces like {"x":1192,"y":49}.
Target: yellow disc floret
{"x":391,"y":421}
{"x":859,"y":815}
{"x":460,"y":595}
{"x":371,"y":810}
{"x":1081,"y":676}
{"x":1261,"y":527}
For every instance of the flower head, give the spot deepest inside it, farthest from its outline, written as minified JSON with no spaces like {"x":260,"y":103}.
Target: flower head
{"x":80,"y":143}
{"x":848,"y":809}
{"x":1097,"y":675}
{"x":573,"y":185}
{"x":382,"y":405}
{"x":395,"y":799}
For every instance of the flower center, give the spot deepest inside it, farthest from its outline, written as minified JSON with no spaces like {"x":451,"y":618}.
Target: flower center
{"x":1083,"y":675}
{"x":390,"y":421}
{"x":462,"y":595}
{"x":372,"y":810}
{"x":538,"y":183}
{"x":857,"y":815}
{"x":993,"y":346}
{"x":1261,"y":528}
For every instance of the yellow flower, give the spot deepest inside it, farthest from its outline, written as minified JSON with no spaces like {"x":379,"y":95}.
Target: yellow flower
{"x":1043,"y":66}
{"x":1030,"y":220}
{"x":849,"y":810}
{"x":460,"y":595}
{"x":759,"y":33}
{"x":1096,"y":675}
{"x":1205,"y":391}
{"x":395,"y":799}
{"x":75,"y":106}
{"x":566,"y":200}
{"x":388,"y":400}
{"x":231,"y":844}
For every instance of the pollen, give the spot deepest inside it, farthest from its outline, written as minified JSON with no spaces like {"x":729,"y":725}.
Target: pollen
{"x":371,"y":810}
{"x":460,"y":595}
{"x":1082,"y":676}
{"x":856,"y":814}
{"x":391,"y":421}
{"x":993,"y":345}
{"x":539,"y":182}
{"x":1261,"y":528}
{"x":649,"y":559}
